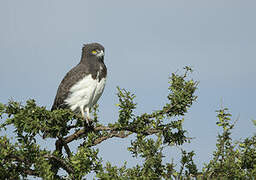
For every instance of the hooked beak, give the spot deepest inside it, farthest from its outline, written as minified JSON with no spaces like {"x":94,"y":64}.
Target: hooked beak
{"x":100,"y":53}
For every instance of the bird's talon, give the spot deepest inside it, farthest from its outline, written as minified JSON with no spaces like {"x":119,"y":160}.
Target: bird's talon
{"x":88,"y":122}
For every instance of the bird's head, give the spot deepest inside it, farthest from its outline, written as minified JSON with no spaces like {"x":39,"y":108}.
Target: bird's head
{"x":93,"y":50}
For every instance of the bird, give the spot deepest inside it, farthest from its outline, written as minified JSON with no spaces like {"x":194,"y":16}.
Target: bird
{"x":84,"y":84}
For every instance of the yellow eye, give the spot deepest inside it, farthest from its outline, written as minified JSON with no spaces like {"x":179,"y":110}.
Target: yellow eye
{"x":94,"y":52}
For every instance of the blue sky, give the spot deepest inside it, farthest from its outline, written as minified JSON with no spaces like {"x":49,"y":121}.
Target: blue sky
{"x":145,"y":41}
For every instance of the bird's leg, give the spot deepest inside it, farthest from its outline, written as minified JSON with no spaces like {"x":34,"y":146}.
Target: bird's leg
{"x":82,"y":112}
{"x":88,"y":119}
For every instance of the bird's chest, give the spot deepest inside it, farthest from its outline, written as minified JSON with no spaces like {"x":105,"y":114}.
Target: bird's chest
{"x":87,"y":91}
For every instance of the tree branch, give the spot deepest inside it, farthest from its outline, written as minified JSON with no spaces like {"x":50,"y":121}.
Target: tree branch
{"x":62,"y":163}
{"x":121,"y":134}
{"x":83,"y":132}
{"x":67,"y":150}
{"x":118,"y":132}
{"x":114,"y":132}
{"x":30,"y":172}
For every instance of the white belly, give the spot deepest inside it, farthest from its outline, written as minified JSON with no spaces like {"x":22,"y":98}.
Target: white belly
{"x":85,"y":93}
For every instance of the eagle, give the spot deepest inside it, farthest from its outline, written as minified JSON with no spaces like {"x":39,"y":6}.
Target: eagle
{"x":83,"y":85}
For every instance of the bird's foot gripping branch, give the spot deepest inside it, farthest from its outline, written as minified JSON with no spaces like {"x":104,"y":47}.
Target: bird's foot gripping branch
{"x":153,"y":131}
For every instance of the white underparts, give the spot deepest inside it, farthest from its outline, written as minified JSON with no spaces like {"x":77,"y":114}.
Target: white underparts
{"x":85,"y":94}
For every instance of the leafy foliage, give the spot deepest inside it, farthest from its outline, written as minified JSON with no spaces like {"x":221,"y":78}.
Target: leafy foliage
{"x":21,"y":156}
{"x":231,"y":160}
